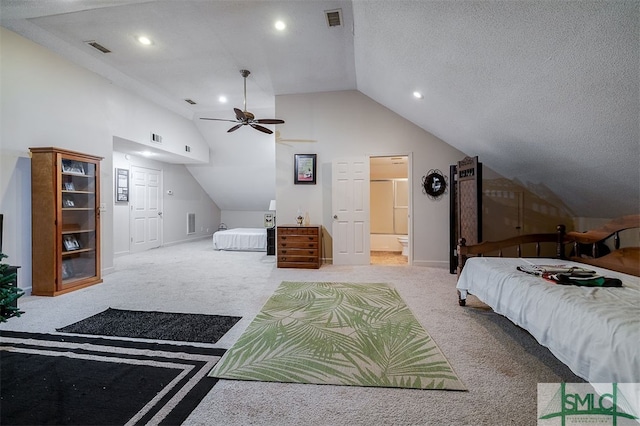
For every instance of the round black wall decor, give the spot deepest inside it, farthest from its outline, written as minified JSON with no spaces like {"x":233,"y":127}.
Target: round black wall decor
{"x":434,"y":184}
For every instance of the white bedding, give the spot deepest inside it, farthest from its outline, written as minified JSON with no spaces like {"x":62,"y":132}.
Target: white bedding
{"x":594,"y":331}
{"x":242,"y":239}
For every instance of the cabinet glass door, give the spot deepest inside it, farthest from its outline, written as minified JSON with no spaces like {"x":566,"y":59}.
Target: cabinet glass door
{"x":78,"y":231}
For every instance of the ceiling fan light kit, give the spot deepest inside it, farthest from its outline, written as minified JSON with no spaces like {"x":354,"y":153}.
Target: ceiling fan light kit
{"x":244,"y":117}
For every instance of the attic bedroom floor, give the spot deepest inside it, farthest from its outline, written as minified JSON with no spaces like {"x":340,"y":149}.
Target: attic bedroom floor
{"x":499,"y":363}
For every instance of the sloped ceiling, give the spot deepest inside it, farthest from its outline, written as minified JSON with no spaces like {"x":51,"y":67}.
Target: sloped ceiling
{"x":546,"y":93}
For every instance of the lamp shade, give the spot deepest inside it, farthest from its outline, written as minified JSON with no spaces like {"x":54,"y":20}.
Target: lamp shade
{"x":272,"y":205}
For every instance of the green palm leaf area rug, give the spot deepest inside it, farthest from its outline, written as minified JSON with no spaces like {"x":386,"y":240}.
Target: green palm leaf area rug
{"x":340,"y":334}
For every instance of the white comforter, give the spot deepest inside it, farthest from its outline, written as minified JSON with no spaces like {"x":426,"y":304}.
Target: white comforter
{"x":245,"y":239}
{"x":594,"y":331}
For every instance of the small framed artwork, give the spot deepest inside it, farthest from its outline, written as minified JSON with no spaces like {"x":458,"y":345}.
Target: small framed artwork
{"x":68,"y":202}
{"x":74,"y":167}
{"x":67,"y":269}
{"x":69,"y":186}
{"x":304,"y":169}
{"x":122,"y":185}
{"x":70,"y":243}
{"x":268,"y":220}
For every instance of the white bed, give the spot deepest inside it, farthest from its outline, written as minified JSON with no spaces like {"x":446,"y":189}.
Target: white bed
{"x":241,"y":239}
{"x":594,"y":331}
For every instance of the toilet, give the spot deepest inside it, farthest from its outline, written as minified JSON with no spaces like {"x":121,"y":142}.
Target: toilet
{"x":404,"y":241}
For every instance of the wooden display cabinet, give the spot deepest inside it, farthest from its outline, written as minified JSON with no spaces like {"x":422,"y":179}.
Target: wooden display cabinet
{"x":65,"y":220}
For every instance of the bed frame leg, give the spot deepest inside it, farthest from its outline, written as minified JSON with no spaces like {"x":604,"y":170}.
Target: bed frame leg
{"x":462,"y":297}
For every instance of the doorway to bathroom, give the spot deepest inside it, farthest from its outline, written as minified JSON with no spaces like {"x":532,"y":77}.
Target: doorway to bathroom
{"x":389,"y":210}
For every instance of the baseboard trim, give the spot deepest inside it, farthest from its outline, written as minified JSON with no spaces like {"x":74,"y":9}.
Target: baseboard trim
{"x":186,"y":240}
{"x":431,"y":263}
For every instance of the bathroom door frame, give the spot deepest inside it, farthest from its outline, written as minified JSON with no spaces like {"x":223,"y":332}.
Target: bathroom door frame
{"x":409,"y":156}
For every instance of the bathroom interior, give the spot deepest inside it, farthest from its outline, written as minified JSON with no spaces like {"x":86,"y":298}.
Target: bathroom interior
{"x":389,"y":210}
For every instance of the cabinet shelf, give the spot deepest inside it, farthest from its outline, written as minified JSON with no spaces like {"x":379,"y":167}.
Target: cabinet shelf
{"x":65,"y":186}
{"x":75,"y":174}
{"x":83,"y":250}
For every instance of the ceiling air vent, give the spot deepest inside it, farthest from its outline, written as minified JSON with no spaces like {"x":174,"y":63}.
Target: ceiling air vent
{"x":334,"y":17}
{"x":190,"y":101}
{"x":98,"y":46}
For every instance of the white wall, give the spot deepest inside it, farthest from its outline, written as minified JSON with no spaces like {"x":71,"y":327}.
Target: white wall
{"x":347,"y":124}
{"x":244,"y":219}
{"x":48,"y":101}
{"x":187,"y":197}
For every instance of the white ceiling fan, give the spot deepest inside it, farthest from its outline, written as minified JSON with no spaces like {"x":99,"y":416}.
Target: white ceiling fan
{"x":244,"y":117}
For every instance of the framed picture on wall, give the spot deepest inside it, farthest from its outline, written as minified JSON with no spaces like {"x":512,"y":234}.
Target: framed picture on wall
{"x":122,"y":185}
{"x":304,"y":169}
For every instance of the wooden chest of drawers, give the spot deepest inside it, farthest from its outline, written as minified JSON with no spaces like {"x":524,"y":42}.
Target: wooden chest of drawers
{"x":299,"y":246}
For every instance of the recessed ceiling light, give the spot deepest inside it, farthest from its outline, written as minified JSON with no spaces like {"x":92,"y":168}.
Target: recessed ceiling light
{"x":144,"y":40}
{"x":222,"y":99}
{"x":147,"y":153}
{"x":280,"y":26}
{"x":417,"y":95}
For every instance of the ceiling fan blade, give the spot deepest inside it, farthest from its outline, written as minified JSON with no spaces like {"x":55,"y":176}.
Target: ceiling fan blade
{"x":261,"y":128}
{"x":240,"y":115}
{"x":234,"y":128}
{"x":218,"y":119}
{"x":269,"y":121}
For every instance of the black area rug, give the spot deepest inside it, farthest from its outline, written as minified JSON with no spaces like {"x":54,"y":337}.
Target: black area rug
{"x":154,"y":325}
{"x":54,"y":379}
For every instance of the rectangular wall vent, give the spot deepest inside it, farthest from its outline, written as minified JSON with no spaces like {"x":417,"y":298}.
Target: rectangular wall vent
{"x":156,"y":138}
{"x":191,"y":223}
{"x":190,"y":101}
{"x":98,"y":46}
{"x":334,"y":17}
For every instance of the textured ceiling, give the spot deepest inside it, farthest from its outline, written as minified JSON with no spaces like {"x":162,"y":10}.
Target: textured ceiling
{"x":547,"y":93}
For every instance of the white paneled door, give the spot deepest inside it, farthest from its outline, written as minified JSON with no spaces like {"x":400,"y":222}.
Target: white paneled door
{"x":350,"y":201}
{"x":146,"y":209}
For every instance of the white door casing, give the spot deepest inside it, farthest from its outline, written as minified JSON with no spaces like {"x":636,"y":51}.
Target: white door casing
{"x":350,"y":204}
{"x":146,"y":209}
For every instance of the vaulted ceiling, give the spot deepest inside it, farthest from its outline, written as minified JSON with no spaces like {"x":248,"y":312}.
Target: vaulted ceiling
{"x":546,"y":93}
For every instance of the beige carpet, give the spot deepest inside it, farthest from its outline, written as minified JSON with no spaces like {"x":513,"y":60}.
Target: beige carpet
{"x":499,"y":363}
